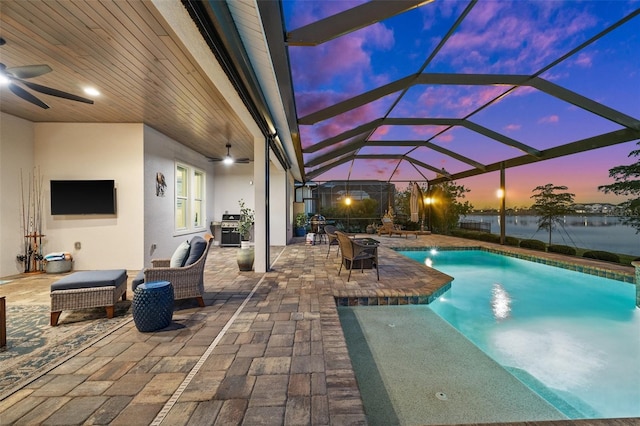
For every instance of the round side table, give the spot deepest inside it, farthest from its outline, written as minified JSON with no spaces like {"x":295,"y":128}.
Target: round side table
{"x":152,"y":305}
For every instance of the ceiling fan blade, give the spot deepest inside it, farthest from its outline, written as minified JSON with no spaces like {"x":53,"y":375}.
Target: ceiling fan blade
{"x":243,"y":160}
{"x":29,"y":71}
{"x":214,"y":159}
{"x":55,"y":92}
{"x":27,"y":96}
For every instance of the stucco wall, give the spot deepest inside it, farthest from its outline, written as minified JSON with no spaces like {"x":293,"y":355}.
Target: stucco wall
{"x":232,"y":183}
{"x":16,"y":159}
{"x":95,"y":151}
{"x":161,"y":154}
{"x":278,"y":223}
{"x":131,"y":154}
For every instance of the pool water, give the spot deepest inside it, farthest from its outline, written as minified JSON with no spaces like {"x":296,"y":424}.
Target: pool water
{"x":572,"y":338}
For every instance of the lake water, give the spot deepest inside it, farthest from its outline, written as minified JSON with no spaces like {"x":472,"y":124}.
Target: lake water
{"x":590,"y":232}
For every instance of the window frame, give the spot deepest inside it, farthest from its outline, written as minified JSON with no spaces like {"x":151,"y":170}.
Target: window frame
{"x":192,"y":195}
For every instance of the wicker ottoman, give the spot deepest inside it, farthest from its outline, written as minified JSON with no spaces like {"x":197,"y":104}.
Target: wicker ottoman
{"x":152,"y":305}
{"x":88,"y":289}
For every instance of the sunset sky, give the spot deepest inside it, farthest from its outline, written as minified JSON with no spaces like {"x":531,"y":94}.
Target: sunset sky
{"x":497,"y":37}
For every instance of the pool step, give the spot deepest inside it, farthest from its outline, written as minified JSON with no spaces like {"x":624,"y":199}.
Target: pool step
{"x":570,"y":406}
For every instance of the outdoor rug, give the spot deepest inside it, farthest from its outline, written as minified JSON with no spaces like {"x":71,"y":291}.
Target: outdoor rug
{"x":34,"y":347}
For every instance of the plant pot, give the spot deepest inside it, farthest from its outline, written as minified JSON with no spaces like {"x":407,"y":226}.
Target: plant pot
{"x":301,"y":231}
{"x":245,"y":257}
{"x":371,"y":229}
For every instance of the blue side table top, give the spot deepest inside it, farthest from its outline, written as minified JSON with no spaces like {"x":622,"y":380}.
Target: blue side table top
{"x":153,"y":285}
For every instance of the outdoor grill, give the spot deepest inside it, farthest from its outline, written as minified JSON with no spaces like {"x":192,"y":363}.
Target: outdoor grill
{"x":229,"y":235}
{"x":317,"y":224}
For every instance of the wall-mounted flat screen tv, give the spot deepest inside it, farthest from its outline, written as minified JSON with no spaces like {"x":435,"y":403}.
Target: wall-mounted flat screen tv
{"x":83,"y":197}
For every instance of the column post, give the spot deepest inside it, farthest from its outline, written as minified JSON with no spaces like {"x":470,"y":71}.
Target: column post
{"x":636,"y":265}
{"x":502,"y":204}
{"x":3,"y":322}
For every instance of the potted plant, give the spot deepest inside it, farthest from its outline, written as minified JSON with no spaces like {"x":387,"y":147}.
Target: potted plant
{"x":371,"y":228}
{"x":301,"y":222}
{"x":246,"y":255}
{"x":246,"y":221}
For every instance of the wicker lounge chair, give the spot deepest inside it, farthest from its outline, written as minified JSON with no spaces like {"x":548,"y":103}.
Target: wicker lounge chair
{"x":389,"y":228}
{"x":187,"y":280}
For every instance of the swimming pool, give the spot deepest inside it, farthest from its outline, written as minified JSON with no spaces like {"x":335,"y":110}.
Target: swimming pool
{"x":572,"y":338}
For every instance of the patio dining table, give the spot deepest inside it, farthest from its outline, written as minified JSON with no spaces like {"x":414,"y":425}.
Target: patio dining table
{"x":367,"y":241}
{"x":372,"y":245}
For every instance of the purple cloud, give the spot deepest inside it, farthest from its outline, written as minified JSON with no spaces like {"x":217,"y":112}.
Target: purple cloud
{"x":497,"y":37}
{"x":306,"y":12}
{"x":584,"y":60}
{"x":344,"y":62}
{"x":549,"y":119}
{"x":445,"y":138}
{"x":452,"y":101}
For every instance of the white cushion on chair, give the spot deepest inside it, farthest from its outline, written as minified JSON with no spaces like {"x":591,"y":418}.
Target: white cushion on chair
{"x":180,"y":255}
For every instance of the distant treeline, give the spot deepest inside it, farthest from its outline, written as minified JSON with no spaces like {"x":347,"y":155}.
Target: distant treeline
{"x":580,"y":209}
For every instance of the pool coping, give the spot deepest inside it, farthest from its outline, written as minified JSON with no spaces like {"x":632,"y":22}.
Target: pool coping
{"x":572,"y":266}
{"x":438,"y":283}
{"x":402,"y":282}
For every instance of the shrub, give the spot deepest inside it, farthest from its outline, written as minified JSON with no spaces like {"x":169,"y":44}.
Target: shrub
{"x":484,"y":236}
{"x":489,"y":238}
{"x":557,"y":248}
{"x":602,"y":255}
{"x":476,"y":235}
{"x":463,"y":233}
{"x":511,"y":241}
{"x":533,"y":244}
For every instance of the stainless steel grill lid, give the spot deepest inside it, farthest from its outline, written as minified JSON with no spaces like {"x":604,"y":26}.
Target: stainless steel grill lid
{"x":317,"y":223}
{"x":230,"y":220}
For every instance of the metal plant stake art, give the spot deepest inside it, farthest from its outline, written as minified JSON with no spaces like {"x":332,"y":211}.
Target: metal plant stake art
{"x":31,"y":225}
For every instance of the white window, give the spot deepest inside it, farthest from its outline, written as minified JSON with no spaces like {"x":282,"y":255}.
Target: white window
{"x":190,"y":198}
{"x":198,"y":198}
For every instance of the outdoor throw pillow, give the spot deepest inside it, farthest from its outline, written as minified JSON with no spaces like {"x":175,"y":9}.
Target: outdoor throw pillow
{"x":198,"y":245}
{"x":180,"y":255}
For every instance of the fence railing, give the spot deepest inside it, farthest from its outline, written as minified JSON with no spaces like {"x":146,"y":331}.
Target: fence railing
{"x":351,"y":224}
{"x":475,"y":225}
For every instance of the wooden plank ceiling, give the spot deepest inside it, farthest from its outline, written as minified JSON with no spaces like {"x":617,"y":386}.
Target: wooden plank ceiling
{"x":130,"y":54}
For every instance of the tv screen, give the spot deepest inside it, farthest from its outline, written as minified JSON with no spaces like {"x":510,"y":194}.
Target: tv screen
{"x":83,"y":197}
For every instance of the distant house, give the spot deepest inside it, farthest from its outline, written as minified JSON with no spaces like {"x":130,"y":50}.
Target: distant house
{"x":595,"y":208}
{"x":354,"y":195}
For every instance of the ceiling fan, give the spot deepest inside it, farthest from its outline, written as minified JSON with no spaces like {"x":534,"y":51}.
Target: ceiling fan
{"x":16,"y":76}
{"x":228,"y":159}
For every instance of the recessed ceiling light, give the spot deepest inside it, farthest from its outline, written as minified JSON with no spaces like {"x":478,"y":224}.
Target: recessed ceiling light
{"x":91,"y":91}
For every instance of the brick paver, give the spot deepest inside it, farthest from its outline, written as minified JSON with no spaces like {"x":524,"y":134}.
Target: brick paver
{"x":282,"y":360}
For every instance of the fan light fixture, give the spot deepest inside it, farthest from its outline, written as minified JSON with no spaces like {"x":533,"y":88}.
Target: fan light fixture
{"x":228,"y":159}
{"x":91,"y":91}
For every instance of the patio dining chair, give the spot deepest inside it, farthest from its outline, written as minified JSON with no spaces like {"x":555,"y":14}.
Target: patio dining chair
{"x":355,"y":253}
{"x":332,"y":238}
